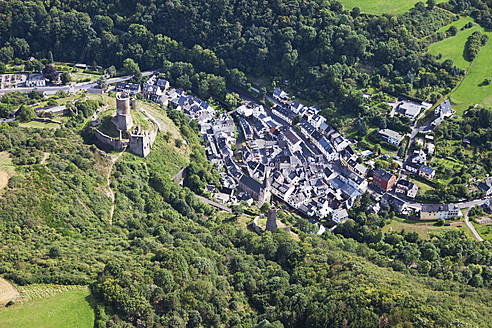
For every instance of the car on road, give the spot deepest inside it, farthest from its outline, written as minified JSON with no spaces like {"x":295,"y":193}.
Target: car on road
{"x":459,"y":225}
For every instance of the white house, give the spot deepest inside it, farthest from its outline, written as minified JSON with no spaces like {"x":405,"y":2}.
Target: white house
{"x":391,"y":136}
{"x":35,"y":80}
{"x":339,"y":215}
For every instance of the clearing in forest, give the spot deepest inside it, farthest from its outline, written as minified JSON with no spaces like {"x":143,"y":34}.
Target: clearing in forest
{"x":454,"y":46}
{"x":7,"y":169}
{"x":425,"y":228}
{"x":473,"y":90}
{"x":69,"y":308}
{"x":381,"y":6}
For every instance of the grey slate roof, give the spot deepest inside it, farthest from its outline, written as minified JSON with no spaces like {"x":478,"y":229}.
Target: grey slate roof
{"x":251,"y":183}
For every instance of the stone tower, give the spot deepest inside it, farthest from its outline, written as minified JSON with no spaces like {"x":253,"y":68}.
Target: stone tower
{"x":271,"y":224}
{"x":123,"y":119}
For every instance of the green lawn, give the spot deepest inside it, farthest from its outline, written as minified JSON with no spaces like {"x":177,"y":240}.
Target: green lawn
{"x":72,"y":308}
{"x":40,"y":125}
{"x":423,"y":187}
{"x":453,"y":47}
{"x":424,"y":228}
{"x":459,"y":24}
{"x":471,"y":91}
{"x":485,"y":231}
{"x":381,"y":6}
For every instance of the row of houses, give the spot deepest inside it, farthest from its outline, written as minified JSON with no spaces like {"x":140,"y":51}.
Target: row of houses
{"x":8,"y":81}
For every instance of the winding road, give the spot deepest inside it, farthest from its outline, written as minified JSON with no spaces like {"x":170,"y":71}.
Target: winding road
{"x":73,"y":87}
{"x":471,"y":227}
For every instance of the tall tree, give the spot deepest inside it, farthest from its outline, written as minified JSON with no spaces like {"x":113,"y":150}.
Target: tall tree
{"x":50,"y":73}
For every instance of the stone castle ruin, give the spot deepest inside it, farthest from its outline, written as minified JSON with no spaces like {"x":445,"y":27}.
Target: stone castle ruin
{"x":123,"y":118}
{"x":140,"y":141}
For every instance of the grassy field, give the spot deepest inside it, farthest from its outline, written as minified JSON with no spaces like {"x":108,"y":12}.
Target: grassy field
{"x":484,"y":230}
{"x":424,"y":229}
{"x":453,"y":47}
{"x":6,"y":163}
{"x":69,"y":308}
{"x":423,"y":187}
{"x":40,"y":125}
{"x":381,"y":6}
{"x":471,"y":91}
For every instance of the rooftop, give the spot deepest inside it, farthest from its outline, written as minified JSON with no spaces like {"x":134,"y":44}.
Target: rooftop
{"x":392,"y":134}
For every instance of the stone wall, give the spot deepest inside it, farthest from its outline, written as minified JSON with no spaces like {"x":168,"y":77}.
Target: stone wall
{"x":115,"y":143}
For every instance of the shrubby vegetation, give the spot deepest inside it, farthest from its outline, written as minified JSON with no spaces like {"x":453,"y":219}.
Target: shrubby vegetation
{"x":442,"y":257}
{"x":169,"y":260}
{"x":473,"y":44}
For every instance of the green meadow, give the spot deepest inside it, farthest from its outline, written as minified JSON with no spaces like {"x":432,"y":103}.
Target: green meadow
{"x":71,"y":308}
{"x":381,"y":6}
{"x":471,"y":90}
{"x":453,"y":47}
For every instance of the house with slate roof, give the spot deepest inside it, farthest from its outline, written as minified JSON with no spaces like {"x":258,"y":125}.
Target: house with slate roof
{"x":486,"y":186}
{"x":383,"y":179}
{"x":129,"y":88}
{"x":427,"y":172}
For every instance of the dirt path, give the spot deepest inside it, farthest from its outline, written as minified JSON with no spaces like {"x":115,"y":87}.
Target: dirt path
{"x":45,"y":157}
{"x":8,"y":292}
{"x":111,"y":193}
{"x":4,"y":179}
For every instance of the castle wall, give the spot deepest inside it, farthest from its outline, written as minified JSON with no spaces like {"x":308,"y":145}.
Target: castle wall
{"x":141,"y":143}
{"x":115,"y":143}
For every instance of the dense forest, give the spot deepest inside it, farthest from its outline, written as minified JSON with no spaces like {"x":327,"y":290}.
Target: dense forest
{"x":322,"y":49}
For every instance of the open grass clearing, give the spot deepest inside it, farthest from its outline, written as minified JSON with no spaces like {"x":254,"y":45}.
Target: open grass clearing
{"x":472,"y":91}
{"x":423,"y":187}
{"x":7,"y":169}
{"x":6,"y":163}
{"x":68,"y":308}
{"x":381,"y":6}
{"x":484,"y":230}
{"x":40,"y":125}
{"x":454,"y":46}
{"x":425,"y":228}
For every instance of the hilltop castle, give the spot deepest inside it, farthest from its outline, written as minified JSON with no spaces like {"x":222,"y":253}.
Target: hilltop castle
{"x":140,"y":141}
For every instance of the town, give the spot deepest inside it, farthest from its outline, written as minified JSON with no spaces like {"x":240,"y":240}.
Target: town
{"x":287,"y":153}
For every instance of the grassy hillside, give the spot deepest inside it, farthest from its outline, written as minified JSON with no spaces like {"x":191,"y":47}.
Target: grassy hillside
{"x":471,"y":91}
{"x":381,"y":6}
{"x":453,"y":47}
{"x":71,"y":308}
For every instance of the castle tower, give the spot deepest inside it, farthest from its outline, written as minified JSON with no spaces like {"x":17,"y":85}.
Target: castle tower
{"x":123,"y":119}
{"x":271,"y":224}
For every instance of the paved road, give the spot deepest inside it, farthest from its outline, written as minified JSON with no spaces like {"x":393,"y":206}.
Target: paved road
{"x":471,"y":227}
{"x":211,"y":202}
{"x":72,"y":88}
